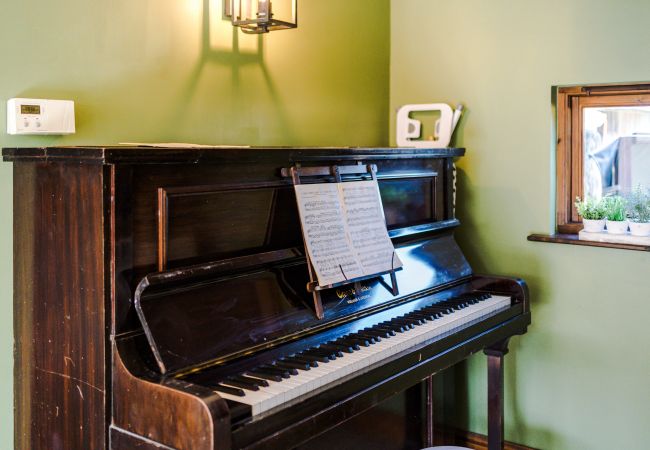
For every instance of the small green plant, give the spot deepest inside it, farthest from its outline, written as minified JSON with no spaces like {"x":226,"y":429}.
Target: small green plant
{"x":590,"y":209}
{"x":638,"y":205}
{"x":615,"y":208}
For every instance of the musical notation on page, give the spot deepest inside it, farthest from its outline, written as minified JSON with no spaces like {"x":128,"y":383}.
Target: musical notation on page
{"x":345,"y":230}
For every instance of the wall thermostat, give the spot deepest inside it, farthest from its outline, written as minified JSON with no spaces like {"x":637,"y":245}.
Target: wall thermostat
{"x":40,"y":116}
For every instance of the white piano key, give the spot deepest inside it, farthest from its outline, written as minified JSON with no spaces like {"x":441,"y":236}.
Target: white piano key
{"x":297,"y":386}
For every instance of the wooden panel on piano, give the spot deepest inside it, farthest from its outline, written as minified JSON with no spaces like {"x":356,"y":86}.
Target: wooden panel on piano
{"x":263,"y":217}
{"x":171,"y":413}
{"x":174,"y":222}
{"x":259,"y":218}
{"x":59,"y":308}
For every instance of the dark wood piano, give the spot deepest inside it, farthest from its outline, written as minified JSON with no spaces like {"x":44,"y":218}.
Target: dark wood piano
{"x":160,"y":300}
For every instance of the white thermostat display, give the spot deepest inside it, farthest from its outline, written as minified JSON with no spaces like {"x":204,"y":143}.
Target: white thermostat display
{"x":40,"y":116}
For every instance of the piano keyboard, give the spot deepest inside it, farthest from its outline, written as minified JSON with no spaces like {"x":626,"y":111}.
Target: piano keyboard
{"x":303,"y":374}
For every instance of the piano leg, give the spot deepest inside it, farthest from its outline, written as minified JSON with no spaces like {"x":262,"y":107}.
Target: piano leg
{"x":495,"y":356}
{"x":429,"y":440}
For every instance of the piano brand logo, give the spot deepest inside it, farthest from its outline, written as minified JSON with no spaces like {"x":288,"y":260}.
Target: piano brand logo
{"x":351,"y":295}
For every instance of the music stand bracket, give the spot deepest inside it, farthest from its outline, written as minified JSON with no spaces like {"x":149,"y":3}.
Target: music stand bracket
{"x":297,"y":172}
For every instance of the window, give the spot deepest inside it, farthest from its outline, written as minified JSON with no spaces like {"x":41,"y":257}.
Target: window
{"x":603,"y":145}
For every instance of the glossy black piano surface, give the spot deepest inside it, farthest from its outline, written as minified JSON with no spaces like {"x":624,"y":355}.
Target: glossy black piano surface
{"x":245,"y":323}
{"x":204,"y":283}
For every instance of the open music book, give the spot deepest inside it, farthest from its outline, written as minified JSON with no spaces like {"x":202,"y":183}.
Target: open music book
{"x":345,"y":230}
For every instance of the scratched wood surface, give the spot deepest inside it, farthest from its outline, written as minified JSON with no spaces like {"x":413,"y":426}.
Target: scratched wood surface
{"x":59,"y":319}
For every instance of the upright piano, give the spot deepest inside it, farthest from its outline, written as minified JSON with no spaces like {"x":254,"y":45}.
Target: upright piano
{"x":161,"y":301}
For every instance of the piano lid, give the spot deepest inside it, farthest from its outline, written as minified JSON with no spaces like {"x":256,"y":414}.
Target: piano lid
{"x":212,"y":313}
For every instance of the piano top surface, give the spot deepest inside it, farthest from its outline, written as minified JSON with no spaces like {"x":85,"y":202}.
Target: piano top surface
{"x":197,"y":154}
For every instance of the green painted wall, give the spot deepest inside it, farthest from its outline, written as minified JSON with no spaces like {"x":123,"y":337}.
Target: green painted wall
{"x":580,"y":379}
{"x":167,"y":71}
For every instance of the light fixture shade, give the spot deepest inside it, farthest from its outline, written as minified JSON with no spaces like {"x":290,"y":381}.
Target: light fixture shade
{"x":262,"y":16}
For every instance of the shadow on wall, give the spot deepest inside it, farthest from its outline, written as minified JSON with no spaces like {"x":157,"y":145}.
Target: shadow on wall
{"x":216,"y":31}
{"x":202,"y":81}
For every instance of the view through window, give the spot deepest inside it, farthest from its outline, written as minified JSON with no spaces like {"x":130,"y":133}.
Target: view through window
{"x":603,"y":145}
{"x":616,"y":150}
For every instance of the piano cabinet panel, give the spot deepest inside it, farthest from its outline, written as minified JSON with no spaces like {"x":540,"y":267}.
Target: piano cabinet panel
{"x":501,"y":285}
{"x":173,"y":413}
{"x":60,"y":390}
{"x":182,"y":183}
{"x":396,"y":423}
{"x":171,"y":215}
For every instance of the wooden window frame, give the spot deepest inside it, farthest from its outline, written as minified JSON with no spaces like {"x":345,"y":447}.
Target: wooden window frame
{"x":569,"y":157}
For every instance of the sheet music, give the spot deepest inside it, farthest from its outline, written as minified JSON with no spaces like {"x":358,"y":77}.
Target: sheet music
{"x":345,"y":230}
{"x":324,"y":228}
{"x":367,"y":227}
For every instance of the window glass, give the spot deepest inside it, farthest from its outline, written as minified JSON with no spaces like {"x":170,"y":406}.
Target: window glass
{"x":616,"y":149}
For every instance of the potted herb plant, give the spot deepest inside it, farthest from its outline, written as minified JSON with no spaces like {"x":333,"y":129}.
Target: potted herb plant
{"x":638,"y":211}
{"x":615,"y":213}
{"x":592,"y":213}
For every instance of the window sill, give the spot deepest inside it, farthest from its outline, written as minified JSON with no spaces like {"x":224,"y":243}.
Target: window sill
{"x":573,"y":240}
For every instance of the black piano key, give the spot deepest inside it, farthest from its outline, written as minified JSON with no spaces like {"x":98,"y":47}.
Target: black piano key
{"x":275,"y":365}
{"x":390,"y":330}
{"x":372,"y":335}
{"x":399,"y":327}
{"x":365,"y":336}
{"x":422,"y":320}
{"x":434,"y":314}
{"x":347,"y":341}
{"x":382,"y":333}
{"x":272,"y":369}
{"x":390,"y":326}
{"x":287,"y":363}
{"x":422,"y":316}
{"x":291,"y":370}
{"x":413,"y":319}
{"x":335,"y":351}
{"x":254,"y":381}
{"x":439,"y":308}
{"x":265,"y":374}
{"x":338,"y":347}
{"x":406,"y":324}
{"x":322,"y":352}
{"x":241,"y":384}
{"x":228,"y":390}
{"x":311,"y":361}
{"x":358,"y":340}
{"x":313,"y":357}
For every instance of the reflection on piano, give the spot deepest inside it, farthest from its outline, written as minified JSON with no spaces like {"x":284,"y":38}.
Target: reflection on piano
{"x":176,"y":313}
